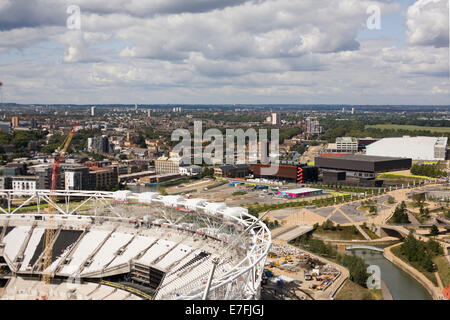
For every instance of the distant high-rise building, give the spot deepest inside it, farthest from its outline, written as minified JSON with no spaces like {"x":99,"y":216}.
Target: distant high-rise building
{"x":149,"y":113}
{"x":99,"y":145}
{"x":353,"y":110}
{"x":313,"y":127}
{"x":263,"y":151}
{"x":15,"y":122}
{"x":275,"y":119}
{"x":343,"y":109}
{"x":93,"y":111}
{"x":77,"y":177}
{"x":5,"y":127}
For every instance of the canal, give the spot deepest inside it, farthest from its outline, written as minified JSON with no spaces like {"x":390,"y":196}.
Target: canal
{"x":401,"y":285}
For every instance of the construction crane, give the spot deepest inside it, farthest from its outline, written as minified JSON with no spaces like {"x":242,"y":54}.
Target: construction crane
{"x":54,"y":182}
{"x":49,"y":232}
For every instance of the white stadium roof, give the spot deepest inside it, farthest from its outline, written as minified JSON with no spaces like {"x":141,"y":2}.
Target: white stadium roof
{"x":416,"y":148}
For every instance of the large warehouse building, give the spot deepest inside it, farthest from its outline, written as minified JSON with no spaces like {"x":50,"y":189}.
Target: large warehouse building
{"x":362,"y":167}
{"x":416,"y":148}
{"x":294,"y":173}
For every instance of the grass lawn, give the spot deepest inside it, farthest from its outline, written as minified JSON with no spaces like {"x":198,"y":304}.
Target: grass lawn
{"x":370,"y":233}
{"x":443,"y":269}
{"x":72,"y":205}
{"x":343,"y":233}
{"x":409,"y":127}
{"x":430,"y":275}
{"x":402,"y":177}
{"x":366,"y":207}
{"x":421,"y":219}
{"x":221,"y":183}
{"x":353,"y":291}
{"x":414,"y":205}
{"x":339,"y":194}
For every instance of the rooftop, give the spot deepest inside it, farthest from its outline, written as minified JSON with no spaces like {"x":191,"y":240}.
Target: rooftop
{"x":362,"y":157}
{"x":301,"y":190}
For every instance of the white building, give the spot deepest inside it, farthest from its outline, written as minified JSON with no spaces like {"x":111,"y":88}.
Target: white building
{"x":416,"y":148}
{"x":347,"y":144}
{"x":25,"y":183}
{"x":275,"y":119}
{"x":190,"y":170}
{"x":93,"y":111}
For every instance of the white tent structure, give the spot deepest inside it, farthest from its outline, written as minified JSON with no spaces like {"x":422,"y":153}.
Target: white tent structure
{"x":235,"y":211}
{"x":416,"y":148}
{"x":147,"y":197}
{"x":193,"y":204}
{"x":172,"y":201}
{"x":122,"y":195}
{"x":215,"y":207}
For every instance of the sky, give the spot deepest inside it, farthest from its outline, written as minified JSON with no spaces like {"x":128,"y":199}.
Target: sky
{"x":225,"y":52}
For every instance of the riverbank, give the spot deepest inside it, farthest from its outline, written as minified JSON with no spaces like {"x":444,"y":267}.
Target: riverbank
{"x":377,"y":242}
{"x":418,"y":276}
{"x":353,"y":291}
{"x":387,"y":295}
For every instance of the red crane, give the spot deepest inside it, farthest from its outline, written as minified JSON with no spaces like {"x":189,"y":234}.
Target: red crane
{"x":54,"y":183}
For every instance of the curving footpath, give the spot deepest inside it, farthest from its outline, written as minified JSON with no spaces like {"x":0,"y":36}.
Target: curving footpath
{"x":435,"y":292}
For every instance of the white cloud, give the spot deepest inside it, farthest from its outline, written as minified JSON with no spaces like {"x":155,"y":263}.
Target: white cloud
{"x":215,"y":51}
{"x":427,"y":21}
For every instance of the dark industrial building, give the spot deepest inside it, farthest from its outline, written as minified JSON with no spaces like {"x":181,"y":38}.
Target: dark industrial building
{"x":294,"y":173}
{"x":232,"y":171}
{"x":364,"y":142}
{"x":340,"y":169}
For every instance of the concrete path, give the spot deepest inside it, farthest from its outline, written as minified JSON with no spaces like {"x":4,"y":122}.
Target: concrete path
{"x":294,"y":233}
{"x":385,"y":291}
{"x":438,"y":278}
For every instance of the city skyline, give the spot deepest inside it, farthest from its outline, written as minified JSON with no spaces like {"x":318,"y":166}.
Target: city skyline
{"x":241,"y":52}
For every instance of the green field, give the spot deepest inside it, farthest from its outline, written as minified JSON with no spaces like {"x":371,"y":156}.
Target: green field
{"x":409,"y":127}
{"x":342,"y":233}
{"x":353,"y":291}
{"x":399,"y":176}
{"x":443,"y":269}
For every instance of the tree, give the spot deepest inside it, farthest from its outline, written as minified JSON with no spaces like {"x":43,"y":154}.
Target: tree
{"x":434,"y":231}
{"x":328,"y":225}
{"x":400,"y":215}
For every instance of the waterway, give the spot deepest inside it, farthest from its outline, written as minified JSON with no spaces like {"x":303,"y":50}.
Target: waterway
{"x":401,"y":285}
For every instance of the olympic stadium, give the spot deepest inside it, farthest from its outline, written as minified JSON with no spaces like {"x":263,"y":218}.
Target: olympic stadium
{"x":95,"y":245}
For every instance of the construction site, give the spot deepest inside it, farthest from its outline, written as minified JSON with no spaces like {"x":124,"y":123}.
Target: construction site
{"x":180,"y":249}
{"x":293,"y":274}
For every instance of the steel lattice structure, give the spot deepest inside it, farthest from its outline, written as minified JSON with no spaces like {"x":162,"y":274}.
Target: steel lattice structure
{"x":246,"y":239}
